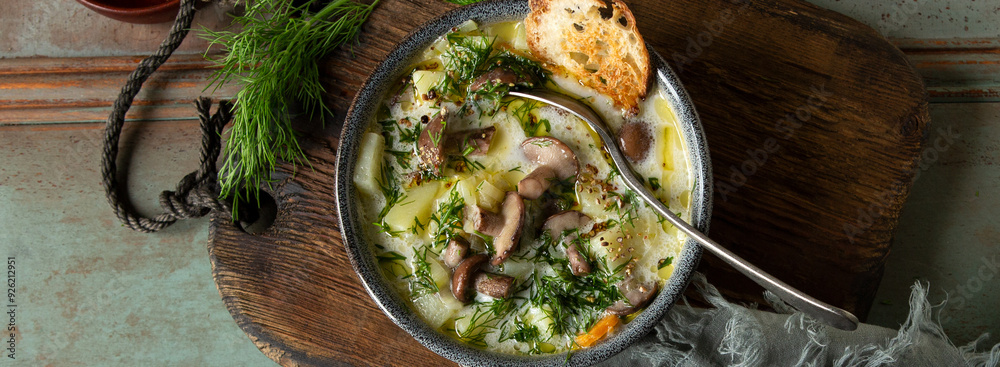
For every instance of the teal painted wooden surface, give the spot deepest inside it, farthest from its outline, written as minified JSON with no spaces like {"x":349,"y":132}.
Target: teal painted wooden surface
{"x":923,"y":19}
{"x":64,"y":28}
{"x":949,"y":231}
{"x":90,"y":292}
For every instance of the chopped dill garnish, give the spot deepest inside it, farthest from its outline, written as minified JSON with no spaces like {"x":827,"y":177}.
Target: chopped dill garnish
{"x":422,"y":281}
{"x":409,"y":135}
{"x":543,"y":252}
{"x":472,"y":55}
{"x":466,"y":58}
{"x":488,"y":98}
{"x":390,"y":256}
{"x":447,"y":220}
{"x":416,"y":226}
{"x":522,"y":112}
{"x":462,"y":163}
{"x":665,"y":262}
{"x":393,"y":262}
{"x":575,"y":303}
{"x":625,"y":206}
{"x":402,"y":157}
{"x":403,"y":151}
{"x":389,"y":185}
{"x":483,"y":320}
{"x":468,"y":149}
{"x":562,"y":192}
{"x":523,"y":332}
{"x":654,"y":183}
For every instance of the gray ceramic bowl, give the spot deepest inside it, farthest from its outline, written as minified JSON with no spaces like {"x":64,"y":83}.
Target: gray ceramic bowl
{"x":360,"y":250}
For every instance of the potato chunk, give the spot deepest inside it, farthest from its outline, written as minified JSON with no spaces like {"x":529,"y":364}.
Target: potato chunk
{"x":369,"y":168}
{"x":415,"y":206}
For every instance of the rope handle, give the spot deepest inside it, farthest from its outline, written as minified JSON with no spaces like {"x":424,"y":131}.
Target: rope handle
{"x":197,"y":193}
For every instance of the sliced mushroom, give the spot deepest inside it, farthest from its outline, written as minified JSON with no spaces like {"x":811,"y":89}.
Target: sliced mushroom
{"x":484,"y":221}
{"x":494,"y":285}
{"x":476,"y":142}
{"x":635,"y":139}
{"x":430,"y":143}
{"x":506,"y":242}
{"x":497,"y":76}
{"x":558,"y":224}
{"x":566,"y":220}
{"x":456,"y":251}
{"x":555,"y":160}
{"x":577,"y":263}
{"x":464,"y":276}
{"x":637,"y":294}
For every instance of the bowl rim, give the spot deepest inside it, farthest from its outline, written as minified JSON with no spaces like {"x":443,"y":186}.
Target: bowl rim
{"x":98,"y":4}
{"x":361,"y":114}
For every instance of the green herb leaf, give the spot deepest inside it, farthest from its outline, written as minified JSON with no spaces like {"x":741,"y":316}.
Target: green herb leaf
{"x":654,"y":183}
{"x":664,"y":262}
{"x":274,"y":57}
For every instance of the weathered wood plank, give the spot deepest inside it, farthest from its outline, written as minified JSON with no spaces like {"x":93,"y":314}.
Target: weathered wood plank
{"x":60,"y":90}
{"x":957,"y":70}
{"x":845,"y":114}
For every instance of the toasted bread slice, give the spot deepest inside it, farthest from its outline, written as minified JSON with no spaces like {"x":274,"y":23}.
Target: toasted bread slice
{"x":604,"y":52}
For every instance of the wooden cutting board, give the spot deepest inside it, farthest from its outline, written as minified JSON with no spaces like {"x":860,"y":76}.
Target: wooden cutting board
{"x":814,"y":122}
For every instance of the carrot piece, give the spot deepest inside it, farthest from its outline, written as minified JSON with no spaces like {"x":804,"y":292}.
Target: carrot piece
{"x":600,"y":329}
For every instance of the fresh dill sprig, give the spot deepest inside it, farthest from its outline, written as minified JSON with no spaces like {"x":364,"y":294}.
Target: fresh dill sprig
{"x":471,"y":55}
{"x":489,"y":97}
{"x":466,"y":58}
{"x":462,"y":163}
{"x":523,"y":332}
{"x":625,"y":205}
{"x":654,"y":183}
{"x":407,"y":139}
{"x":483,"y":320}
{"x":664,"y":262}
{"x":274,"y":57}
{"x":575,"y":303}
{"x":422,"y":281}
{"x":522,"y":112}
{"x":562,"y":192}
{"x":402,"y":157}
{"x":447,"y":220}
{"x":388,"y":183}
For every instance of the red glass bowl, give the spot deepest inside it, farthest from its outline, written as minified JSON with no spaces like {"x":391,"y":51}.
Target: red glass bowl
{"x":135,"y":11}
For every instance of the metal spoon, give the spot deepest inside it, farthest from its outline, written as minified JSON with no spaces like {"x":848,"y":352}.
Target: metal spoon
{"x":830,"y":315}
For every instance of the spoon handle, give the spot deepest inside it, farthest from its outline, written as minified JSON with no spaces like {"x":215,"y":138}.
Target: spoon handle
{"x":820,"y":310}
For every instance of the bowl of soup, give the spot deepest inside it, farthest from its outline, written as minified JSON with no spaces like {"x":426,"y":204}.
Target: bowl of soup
{"x":494,"y":229}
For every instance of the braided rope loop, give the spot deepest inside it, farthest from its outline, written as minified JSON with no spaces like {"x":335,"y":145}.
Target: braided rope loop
{"x":197,"y":193}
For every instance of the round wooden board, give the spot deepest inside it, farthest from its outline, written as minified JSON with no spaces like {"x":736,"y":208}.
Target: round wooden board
{"x":814,"y":122}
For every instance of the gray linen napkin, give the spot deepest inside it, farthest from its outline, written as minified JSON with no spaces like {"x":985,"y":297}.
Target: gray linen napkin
{"x":733,"y":335}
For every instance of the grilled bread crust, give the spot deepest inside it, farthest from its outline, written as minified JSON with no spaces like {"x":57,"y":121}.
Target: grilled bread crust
{"x":597,"y":44}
